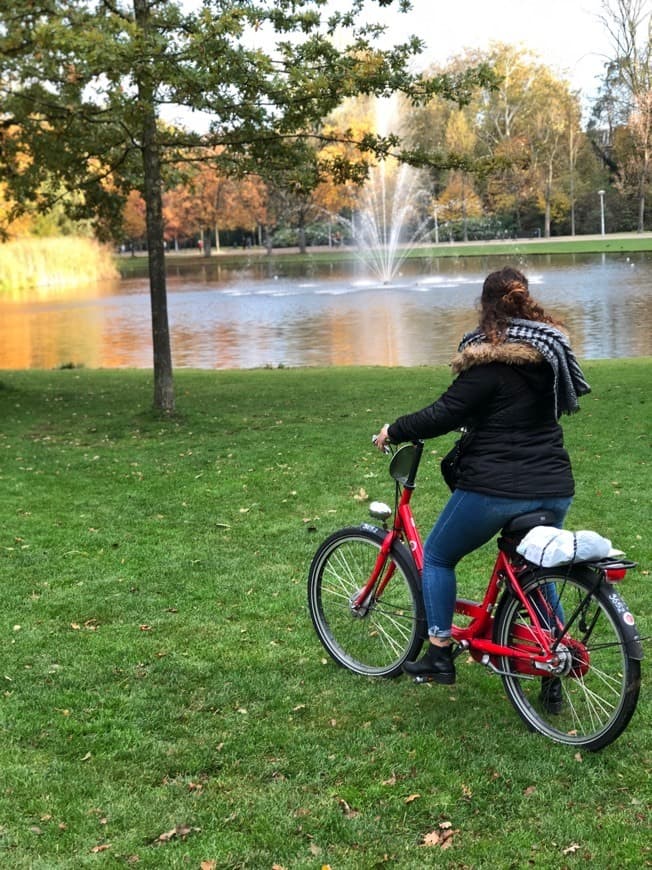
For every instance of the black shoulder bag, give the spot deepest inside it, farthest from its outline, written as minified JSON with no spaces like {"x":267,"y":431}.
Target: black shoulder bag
{"x":450,"y":464}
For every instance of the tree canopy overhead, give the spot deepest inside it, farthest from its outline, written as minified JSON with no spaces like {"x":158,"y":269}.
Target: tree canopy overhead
{"x":85,"y":85}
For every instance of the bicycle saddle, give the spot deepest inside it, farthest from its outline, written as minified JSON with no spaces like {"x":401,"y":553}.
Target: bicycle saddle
{"x":525,"y":522}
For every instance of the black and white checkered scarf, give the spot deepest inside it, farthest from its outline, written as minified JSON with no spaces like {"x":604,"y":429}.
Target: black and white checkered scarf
{"x":555,"y":348}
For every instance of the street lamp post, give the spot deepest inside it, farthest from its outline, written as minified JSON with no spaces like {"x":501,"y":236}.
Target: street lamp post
{"x":601,"y":195}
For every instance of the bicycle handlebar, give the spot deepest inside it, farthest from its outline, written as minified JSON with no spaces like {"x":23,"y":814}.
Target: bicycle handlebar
{"x":386,"y":448}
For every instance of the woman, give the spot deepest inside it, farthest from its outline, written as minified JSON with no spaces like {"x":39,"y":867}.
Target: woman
{"x":516,"y":374}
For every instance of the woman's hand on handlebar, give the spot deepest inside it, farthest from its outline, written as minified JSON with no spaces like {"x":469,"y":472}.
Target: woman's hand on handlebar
{"x":382,"y":439}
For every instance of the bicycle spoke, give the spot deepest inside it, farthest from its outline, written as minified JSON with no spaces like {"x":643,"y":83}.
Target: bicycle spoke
{"x":402,"y":630}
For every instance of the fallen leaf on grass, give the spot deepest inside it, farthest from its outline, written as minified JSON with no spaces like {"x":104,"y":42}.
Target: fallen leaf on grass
{"x":569,"y":850}
{"x":89,"y":625}
{"x":361,"y":495}
{"x":180,"y":832}
{"x":412,"y":797}
{"x":102,"y":848}
{"x":347,"y":809}
{"x":442,"y":837}
{"x":208,"y":865}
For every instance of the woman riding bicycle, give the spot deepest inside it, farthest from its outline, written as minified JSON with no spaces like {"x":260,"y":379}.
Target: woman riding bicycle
{"x":516,"y":375}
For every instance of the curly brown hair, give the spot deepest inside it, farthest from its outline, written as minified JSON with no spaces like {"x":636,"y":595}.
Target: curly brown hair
{"x":505,"y":295}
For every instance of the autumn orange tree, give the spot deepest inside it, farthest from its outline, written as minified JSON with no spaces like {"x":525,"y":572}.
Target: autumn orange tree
{"x":225,"y":202}
{"x":134,"y":224}
{"x":350,"y":123}
{"x":178,"y":214}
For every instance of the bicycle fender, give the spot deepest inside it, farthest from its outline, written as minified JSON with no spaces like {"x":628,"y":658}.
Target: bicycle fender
{"x":381,"y":534}
{"x":376,"y":530}
{"x":627,"y":622}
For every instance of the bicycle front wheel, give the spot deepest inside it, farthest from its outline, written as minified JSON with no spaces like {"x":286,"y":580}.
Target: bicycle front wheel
{"x":388,"y":629}
{"x":588,"y":700}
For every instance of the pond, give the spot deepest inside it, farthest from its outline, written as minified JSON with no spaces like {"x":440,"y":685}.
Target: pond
{"x":326,"y":314}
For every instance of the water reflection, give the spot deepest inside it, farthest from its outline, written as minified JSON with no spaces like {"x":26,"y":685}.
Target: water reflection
{"x":324,"y":314}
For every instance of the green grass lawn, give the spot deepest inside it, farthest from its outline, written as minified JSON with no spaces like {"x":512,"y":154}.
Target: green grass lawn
{"x":165,"y":701}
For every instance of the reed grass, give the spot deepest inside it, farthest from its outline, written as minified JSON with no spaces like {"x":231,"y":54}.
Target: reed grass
{"x":50,"y":265}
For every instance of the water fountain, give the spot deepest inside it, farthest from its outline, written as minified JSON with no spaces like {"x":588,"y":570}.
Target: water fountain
{"x":393,"y":214}
{"x":389,"y":223}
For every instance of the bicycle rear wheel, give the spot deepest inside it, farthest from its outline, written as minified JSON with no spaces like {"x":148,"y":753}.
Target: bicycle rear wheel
{"x":376,"y":638}
{"x":597,"y":682}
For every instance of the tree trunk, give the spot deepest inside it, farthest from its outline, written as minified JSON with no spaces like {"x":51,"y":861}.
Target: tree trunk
{"x":206,"y":242}
{"x":571,"y":163}
{"x":465,"y":220}
{"x":302,"y":235}
{"x":546,"y":219}
{"x":641,"y":205}
{"x":163,"y":382}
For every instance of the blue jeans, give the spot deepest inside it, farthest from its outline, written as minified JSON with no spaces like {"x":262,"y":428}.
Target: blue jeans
{"x":468,"y":520}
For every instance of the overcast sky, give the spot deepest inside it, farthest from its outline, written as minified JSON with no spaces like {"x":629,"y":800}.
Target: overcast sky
{"x":567,"y":34}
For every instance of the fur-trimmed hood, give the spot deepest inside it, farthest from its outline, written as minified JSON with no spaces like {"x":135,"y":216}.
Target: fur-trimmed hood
{"x":512,"y":353}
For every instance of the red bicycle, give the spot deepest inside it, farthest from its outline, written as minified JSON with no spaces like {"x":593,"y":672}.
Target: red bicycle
{"x":566,"y":623}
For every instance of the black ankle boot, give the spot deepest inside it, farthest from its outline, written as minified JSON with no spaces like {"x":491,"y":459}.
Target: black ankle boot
{"x":435,"y":666}
{"x":551,"y":694}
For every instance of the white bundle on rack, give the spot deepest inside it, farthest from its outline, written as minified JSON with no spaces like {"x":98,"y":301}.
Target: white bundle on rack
{"x":548,"y":546}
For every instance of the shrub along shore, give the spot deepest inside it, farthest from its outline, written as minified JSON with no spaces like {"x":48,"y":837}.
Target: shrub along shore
{"x":165,"y":701}
{"x":48,"y":266}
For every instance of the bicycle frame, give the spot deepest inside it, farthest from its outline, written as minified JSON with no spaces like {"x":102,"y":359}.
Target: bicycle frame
{"x":538,"y":658}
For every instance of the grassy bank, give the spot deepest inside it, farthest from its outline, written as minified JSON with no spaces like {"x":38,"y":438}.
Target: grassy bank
{"x":165,"y":701}
{"x":611,"y":244}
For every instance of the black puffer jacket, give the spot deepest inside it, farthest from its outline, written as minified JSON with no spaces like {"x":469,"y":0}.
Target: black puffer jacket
{"x":504,"y":394}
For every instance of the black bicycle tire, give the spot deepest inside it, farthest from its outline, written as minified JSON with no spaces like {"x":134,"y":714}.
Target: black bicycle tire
{"x":631,"y":670}
{"x":335,"y":646}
